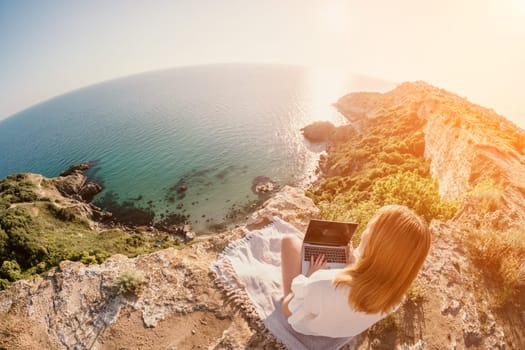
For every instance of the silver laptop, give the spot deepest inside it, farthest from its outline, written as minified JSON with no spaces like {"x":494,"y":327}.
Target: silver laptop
{"x":328,"y":238}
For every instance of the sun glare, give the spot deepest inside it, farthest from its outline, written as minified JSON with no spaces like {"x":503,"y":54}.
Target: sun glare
{"x":519,"y":6}
{"x":332,"y":18}
{"x":508,"y":15}
{"x":326,"y":86}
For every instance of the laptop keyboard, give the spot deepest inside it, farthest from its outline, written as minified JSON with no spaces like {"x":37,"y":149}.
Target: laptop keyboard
{"x":332,"y":255}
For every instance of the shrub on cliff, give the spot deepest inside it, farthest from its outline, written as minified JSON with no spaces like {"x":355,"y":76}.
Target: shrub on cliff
{"x":485,"y":197}
{"x":20,"y":243}
{"x":414,"y":191}
{"x":15,"y":189}
{"x":404,"y":188}
{"x":128,"y":282}
{"x":10,"y":270}
{"x":64,"y":214}
{"x":500,"y":257}
{"x":4,"y":284}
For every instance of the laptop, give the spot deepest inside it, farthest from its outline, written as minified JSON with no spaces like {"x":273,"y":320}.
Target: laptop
{"x":329,"y":238}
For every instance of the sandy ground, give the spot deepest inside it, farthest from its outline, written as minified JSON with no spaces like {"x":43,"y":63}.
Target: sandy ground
{"x":197,"y":330}
{"x":23,"y":334}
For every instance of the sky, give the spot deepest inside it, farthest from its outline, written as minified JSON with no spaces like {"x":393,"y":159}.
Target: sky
{"x":475,"y":48}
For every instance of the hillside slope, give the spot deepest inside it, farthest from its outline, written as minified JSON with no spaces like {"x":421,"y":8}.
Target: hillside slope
{"x":471,"y":291}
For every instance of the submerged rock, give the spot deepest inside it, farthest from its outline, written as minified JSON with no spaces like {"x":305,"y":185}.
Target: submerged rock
{"x":263,"y":184}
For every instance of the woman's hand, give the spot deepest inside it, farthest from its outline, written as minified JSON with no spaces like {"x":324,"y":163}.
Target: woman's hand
{"x":350,"y":255}
{"x":317,"y":264}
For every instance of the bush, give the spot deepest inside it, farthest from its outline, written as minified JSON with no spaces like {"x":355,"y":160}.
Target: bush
{"x":409,"y":189}
{"x":485,"y":196}
{"x":17,"y":190}
{"x":10,"y":270}
{"x":500,"y":256}
{"x":4,"y":249}
{"x":128,"y":282}
{"x":15,"y":218}
{"x":64,"y":214}
{"x":135,"y":240}
{"x":32,"y":242}
{"x":4,"y":284}
{"x":414,"y":191}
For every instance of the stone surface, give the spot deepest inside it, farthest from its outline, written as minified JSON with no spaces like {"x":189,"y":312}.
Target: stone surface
{"x":75,"y":304}
{"x":72,"y":183}
{"x":89,"y":191}
{"x":289,"y":204}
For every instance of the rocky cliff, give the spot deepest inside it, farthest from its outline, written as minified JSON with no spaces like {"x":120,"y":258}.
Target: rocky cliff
{"x":478,"y":160}
{"x":78,"y":306}
{"x":466,"y":296}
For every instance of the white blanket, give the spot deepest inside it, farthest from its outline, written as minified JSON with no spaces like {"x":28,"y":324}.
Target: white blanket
{"x":249,"y":272}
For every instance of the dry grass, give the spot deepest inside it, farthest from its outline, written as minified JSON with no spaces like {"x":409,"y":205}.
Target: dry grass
{"x":486,"y":196}
{"x":501,"y":258}
{"x":417,"y":293}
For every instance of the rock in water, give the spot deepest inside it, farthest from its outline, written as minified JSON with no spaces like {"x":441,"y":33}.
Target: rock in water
{"x":72,"y":183}
{"x":318,"y":131}
{"x":76,"y":168}
{"x":263,"y":184}
{"x":89,"y":191}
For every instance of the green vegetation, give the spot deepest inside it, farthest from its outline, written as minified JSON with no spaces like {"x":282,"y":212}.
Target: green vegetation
{"x":382,"y":165}
{"x":128,"y":282}
{"x":16,"y":189}
{"x":37,"y":235}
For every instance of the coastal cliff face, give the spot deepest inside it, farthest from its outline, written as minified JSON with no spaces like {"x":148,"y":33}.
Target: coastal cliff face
{"x":465,"y":297}
{"x":478,"y":160}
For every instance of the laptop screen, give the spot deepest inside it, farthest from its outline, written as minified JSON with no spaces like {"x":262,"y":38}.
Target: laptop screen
{"x":331,"y":233}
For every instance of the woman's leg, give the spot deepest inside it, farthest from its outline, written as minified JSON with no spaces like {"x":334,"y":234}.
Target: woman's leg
{"x":290,"y":261}
{"x":290,"y":267}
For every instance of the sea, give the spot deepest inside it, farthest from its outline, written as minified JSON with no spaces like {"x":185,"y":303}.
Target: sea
{"x":212,"y":129}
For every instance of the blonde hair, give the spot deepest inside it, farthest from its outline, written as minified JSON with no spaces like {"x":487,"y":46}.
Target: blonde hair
{"x":397,"y":244}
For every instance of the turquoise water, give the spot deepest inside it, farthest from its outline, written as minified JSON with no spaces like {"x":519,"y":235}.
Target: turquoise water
{"x":218,"y":127}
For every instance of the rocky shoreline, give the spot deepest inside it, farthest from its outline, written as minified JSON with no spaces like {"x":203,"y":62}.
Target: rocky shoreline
{"x":126,"y":215}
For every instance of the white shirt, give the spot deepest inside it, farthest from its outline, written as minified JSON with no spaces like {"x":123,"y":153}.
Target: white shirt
{"x":320,"y":309}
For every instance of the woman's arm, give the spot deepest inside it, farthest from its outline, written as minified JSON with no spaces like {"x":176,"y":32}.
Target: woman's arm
{"x":315,"y":264}
{"x":351,"y":255}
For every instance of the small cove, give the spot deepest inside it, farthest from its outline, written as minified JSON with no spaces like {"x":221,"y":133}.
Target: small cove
{"x":211,"y":129}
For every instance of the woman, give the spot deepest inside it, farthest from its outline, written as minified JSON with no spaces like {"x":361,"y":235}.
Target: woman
{"x":345,"y":302}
